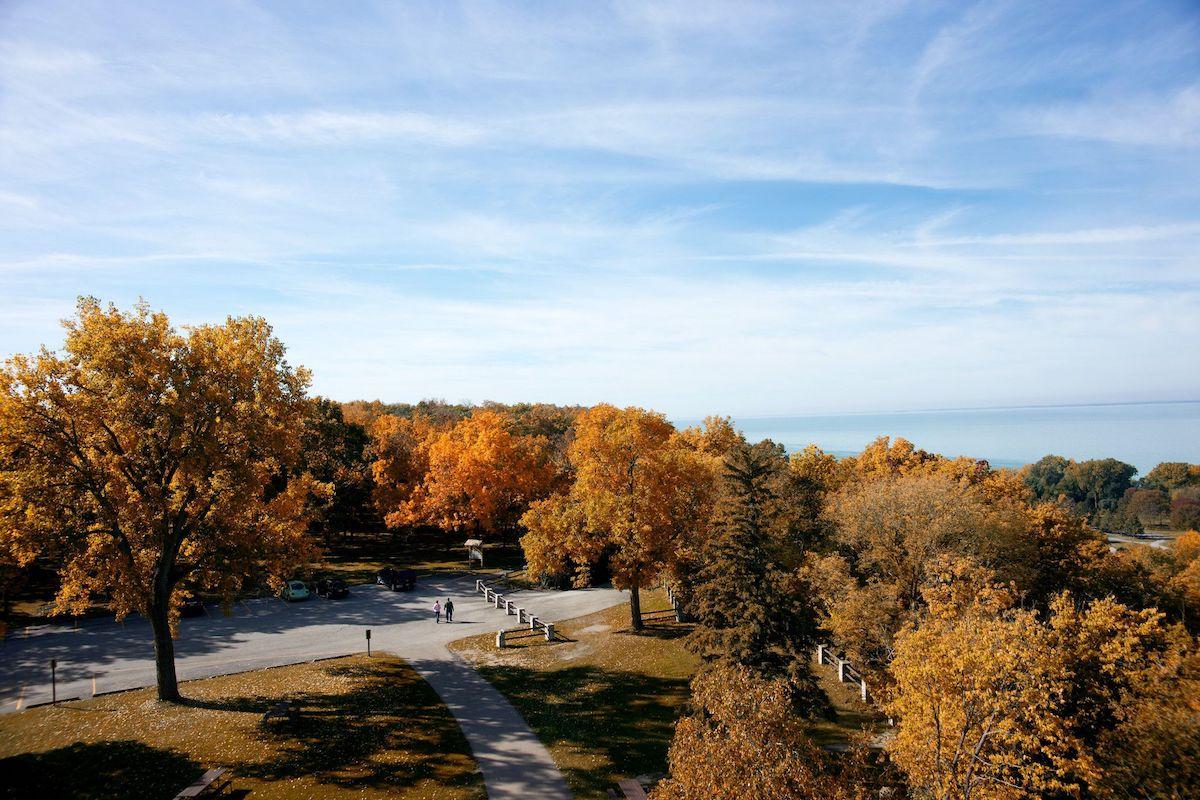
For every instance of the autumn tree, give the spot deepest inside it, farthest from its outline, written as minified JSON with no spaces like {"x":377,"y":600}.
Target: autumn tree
{"x":150,"y":456}
{"x":481,"y":477}
{"x":638,"y":492}
{"x":399,"y":452}
{"x":994,"y":701}
{"x":897,"y":526}
{"x":334,"y":452}
{"x":749,"y":603}
{"x":745,"y":742}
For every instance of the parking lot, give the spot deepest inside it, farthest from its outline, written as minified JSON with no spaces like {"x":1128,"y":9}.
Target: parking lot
{"x":103,"y":655}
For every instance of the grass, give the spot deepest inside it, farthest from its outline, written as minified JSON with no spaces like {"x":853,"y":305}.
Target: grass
{"x":367,"y":728}
{"x":603,"y":699}
{"x":853,"y":720}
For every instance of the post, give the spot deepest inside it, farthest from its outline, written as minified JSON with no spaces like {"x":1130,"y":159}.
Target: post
{"x":532,"y":623}
{"x":820,"y":654}
{"x":841,"y":671}
{"x":500,"y":639}
{"x":478,"y":585}
{"x":521,"y":616}
{"x":863,"y":686}
{"x":368,"y":642}
{"x":53,"y":681}
{"x":508,"y":608}
{"x":495,"y":599}
{"x":549,"y":632}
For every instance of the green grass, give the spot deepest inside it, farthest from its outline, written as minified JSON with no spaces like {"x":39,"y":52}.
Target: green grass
{"x":367,"y":728}
{"x":604,"y":700}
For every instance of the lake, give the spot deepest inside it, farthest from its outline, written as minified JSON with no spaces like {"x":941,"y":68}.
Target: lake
{"x":1142,"y":434}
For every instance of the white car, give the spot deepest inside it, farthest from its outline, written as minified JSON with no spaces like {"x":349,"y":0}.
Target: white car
{"x":295,"y":590}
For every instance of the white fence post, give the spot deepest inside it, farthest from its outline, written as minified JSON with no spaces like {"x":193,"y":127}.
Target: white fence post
{"x":500,"y":639}
{"x":496,"y":599}
{"x":863,"y":685}
{"x":820,"y":654}
{"x":841,"y":670}
{"x":533,"y":622}
{"x":549,"y":632}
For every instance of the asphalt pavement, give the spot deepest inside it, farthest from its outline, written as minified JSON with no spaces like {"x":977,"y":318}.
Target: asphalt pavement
{"x":102,"y":656}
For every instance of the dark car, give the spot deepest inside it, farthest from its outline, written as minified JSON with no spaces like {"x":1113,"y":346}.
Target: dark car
{"x":191,"y":607}
{"x":333,"y":588}
{"x":396,"y":579}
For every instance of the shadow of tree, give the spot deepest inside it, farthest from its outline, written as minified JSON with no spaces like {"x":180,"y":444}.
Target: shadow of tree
{"x":391,"y":731}
{"x":621,"y":721}
{"x":120,"y":770}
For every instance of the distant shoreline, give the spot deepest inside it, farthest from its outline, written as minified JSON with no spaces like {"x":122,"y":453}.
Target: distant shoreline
{"x":960,"y":409}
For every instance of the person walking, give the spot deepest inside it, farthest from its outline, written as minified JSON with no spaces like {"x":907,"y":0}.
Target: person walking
{"x":437,"y":611}
{"x":449,"y":610}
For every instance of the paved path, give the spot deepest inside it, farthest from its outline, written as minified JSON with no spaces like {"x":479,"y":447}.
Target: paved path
{"x":269,"y":633}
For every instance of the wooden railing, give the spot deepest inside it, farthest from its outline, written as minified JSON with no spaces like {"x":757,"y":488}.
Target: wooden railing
{"x":523,"y":615}
{"x":846,"y":673}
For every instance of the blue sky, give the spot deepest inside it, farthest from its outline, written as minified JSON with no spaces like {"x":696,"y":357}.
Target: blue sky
{"x":746,"y":208}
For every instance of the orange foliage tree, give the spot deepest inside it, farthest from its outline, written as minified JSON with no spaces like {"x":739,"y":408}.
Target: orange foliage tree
{"x":481,"y":477}
{"x":147,"y":456}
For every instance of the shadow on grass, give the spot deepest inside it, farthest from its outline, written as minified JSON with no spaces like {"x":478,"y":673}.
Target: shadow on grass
{"x":122,"y":770}
{"x":621,"y":722}
{"x":390,"y":732}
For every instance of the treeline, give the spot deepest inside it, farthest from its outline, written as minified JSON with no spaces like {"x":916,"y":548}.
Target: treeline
{"x":1103,"y":490}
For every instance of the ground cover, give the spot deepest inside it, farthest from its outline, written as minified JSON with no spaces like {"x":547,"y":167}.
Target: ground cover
{"x":366,"y":728}
{"x":603,"y":699}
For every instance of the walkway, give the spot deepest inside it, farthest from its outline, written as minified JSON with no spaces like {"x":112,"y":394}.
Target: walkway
{"x":264,"y":633}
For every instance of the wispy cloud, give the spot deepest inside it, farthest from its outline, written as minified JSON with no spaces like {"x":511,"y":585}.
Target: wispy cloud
{"x":704,"y":206}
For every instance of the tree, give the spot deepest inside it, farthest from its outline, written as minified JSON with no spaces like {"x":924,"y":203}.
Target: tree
{"x":897,"y":526}
{"x":639,"y":491}
{"x":995,"y":702}
{"x":1097,"y":484}
{"x":399,"y":453}
{"x":1045,"y":476}
{"x":1185,"y":514}
{"x":746,"y":742}
{"x":149,"y":456}
{"x":750,"y":606}
{"x":1171,"y":475}
{"x":481,"y":477}
{"x":334,"y":453}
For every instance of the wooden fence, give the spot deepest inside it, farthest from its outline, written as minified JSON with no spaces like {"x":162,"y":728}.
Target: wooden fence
{"x":523,"y":615}
{"x":846,"y":673}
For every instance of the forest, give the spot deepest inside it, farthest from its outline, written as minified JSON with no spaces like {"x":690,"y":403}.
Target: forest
{"x":1017,"y":653}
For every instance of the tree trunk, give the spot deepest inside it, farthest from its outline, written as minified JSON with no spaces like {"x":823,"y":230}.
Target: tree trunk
{"x":635,"y":608}
{"x":164,"y":652}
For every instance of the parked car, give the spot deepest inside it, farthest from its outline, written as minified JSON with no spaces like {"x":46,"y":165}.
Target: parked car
{"x":191,"y":607}
{"x":295,"y":590}
{"x":333,"y":588}
{"x":396,"y":579}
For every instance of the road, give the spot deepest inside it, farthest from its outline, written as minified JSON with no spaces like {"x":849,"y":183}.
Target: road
{"x":102,"y":656}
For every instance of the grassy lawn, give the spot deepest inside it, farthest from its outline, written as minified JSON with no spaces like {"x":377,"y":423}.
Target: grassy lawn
{"x":605,"y":700}
{"x":853,"y":719}
{"x":357,"y":558}
{"x":368,"y":728}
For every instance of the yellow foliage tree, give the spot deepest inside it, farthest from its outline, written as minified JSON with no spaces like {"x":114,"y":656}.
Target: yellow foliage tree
{"x":746,"y":742}
{"x":639,"y":491}
{"x":146,"y":456}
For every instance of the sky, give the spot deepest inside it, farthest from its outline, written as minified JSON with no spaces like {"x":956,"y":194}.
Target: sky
{"x":743,"y":208}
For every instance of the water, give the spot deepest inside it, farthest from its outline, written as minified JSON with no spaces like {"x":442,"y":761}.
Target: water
{"x":1142,"y":434}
